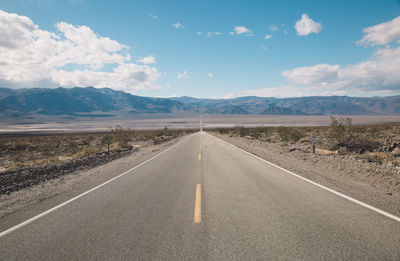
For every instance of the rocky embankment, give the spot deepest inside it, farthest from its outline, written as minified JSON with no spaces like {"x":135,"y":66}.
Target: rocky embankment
{"x":14,"y":180}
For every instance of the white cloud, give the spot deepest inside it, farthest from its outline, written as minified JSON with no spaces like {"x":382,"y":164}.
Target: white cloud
{"x":230,"y":95}
{"x":15,"y":30}
{"x":153,"y":16}
{"x":242,"y":30}
{"x":209,"y":34}
{"x":148,"y":60}
{"x":210,"y":75}
{"x":127,"y":77}
{"x":382,"y":34}
{"x":182,"y":75}
{"x":178,"y":25}
{"x":306,"y":25}
{"x":379,"y":73}
{"x":279,"y":92}
{"x":268,"y":36}
{"x":273,"y":28}
{"x":286,"y":91}
{"x":31,"y":57}
{"x":376,"y":76}
{"x":231,"y":33}
{"x":321,"y":73}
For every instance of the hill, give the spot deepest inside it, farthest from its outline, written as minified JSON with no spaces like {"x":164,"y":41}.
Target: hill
{"x":107,"y":102}
{"x":77,"y":101}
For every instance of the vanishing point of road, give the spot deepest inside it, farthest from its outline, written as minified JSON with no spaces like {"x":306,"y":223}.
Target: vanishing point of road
{"x":204,"y":199}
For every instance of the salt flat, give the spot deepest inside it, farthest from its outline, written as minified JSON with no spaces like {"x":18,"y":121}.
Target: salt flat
{"x":158,"y":121}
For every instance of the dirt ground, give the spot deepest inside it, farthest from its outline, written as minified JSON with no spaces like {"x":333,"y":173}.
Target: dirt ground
{"x":374,"y":183}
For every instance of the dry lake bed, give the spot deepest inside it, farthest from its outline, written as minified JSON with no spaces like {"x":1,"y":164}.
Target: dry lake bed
{"x":93,"y":124}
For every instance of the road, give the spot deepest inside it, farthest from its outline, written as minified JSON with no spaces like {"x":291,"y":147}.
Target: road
{"x":204,"y":199}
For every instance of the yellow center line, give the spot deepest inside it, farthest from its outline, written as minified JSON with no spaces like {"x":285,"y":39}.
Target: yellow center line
{"x":197,"y":205}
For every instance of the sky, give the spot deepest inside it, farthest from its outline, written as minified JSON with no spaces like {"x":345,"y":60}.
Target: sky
{"x":210,"y":49}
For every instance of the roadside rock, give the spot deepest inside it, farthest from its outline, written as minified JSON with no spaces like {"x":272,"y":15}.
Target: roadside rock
{"x":396,"y":152}
{"x":13,"y":180}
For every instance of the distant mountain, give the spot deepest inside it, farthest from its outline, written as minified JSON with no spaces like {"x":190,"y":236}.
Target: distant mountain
{"x":74,"y":101}
{"x":316,"y":105}
{"x":92,"y":101}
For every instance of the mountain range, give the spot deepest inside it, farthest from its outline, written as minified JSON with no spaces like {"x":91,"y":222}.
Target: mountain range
{"x":80,"y":101}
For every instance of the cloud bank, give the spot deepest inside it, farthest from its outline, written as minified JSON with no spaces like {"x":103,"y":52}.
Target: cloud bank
{"x":70,"y":56}
{"x":381,"y":34}
{"x":380,"y":73}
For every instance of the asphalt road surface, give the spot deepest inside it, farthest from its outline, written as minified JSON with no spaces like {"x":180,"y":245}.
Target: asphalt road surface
{"x":204,"y":199}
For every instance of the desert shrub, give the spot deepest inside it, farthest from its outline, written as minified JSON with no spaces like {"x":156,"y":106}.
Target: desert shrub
{"x":374,"y":133}
{"x":72,"y":144}
{"x":288,"y":134}
{"x":257,"y":132}
{"x":361,"y":144}
{"x":222,"y":130}
{"x":122,"y":135}
{"x":175,"y":133}
{"x":21,"y":146}
{"x":268,"y":131}
{"x":87,"y":151}
{"x":240,"y":130}
{"x":47,"y":148}
{"x":354,"y":138}
{"x":158,"y":133}
{"x":340,"y":131}
{"x":18,"y":164}
{"x":3,"y":142}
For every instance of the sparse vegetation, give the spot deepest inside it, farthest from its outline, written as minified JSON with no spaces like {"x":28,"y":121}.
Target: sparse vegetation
{"x":379,"y":143}
{"x":122,"y":136}
{"x":343,"y":134}
{"x":289,"y":134}
{"x":35,"y":150}
{"x":340,"y":132}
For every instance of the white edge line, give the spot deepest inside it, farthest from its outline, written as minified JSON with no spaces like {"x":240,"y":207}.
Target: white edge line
{"x":319,"y":185}
{"x":20,"y":225}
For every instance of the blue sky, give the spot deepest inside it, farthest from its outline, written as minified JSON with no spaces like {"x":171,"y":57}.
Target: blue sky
{"x":203,"y":48}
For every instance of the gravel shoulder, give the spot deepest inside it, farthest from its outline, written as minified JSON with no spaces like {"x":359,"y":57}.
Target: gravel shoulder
{"x":377,"y":185}
{"x":35,"y":199}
